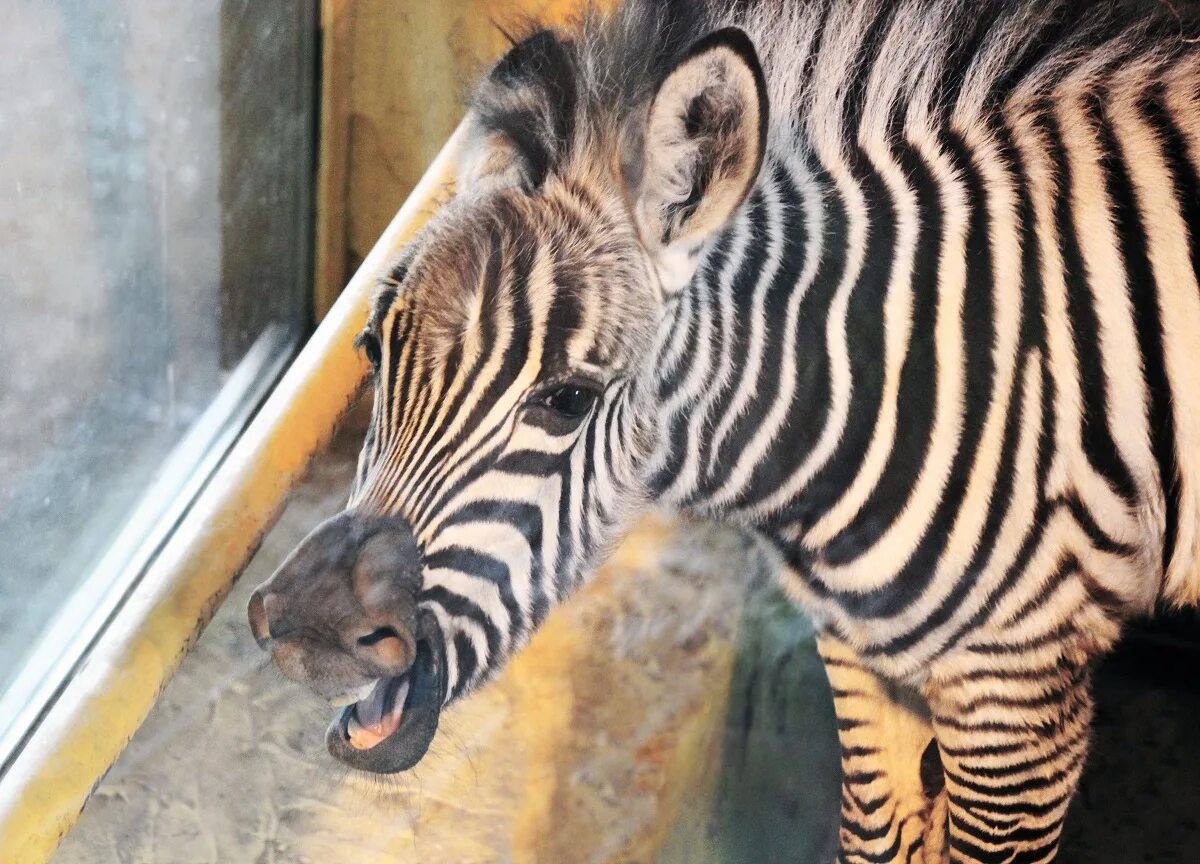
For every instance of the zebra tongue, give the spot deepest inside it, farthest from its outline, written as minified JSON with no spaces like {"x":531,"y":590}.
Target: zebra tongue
{"x":378,"y":716}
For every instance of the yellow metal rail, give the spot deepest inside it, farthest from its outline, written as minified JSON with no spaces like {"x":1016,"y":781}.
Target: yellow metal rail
{"x":104,"y":704}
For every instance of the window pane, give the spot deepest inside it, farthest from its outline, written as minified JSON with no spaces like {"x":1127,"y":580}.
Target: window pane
{"x":156,"y":165}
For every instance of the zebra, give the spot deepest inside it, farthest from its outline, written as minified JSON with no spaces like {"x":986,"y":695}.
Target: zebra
{"x":906,"y":288}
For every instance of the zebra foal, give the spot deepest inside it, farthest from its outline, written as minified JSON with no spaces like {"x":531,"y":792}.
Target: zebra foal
{"x":907,"y":287}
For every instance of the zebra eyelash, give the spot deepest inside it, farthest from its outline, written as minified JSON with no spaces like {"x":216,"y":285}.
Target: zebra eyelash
{"x":368,"y":344}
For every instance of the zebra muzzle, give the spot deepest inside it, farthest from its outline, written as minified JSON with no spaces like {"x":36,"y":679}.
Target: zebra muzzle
{"x":392,"y":727}
{"x":341,"y":616}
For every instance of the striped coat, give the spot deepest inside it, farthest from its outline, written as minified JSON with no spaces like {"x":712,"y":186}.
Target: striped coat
{"x":906,"y":287}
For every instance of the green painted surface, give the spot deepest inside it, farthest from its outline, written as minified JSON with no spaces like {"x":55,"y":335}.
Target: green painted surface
{"x":776,"y":789}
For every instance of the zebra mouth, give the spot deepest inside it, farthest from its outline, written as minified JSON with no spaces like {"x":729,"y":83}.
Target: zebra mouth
{"x":391,"y":728}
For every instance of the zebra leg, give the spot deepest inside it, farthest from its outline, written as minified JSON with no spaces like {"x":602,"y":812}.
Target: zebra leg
{"x":1013,"y":732}
{"x":893,"y":802}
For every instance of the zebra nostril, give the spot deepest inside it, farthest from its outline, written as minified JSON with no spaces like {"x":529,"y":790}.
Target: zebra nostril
{"x":376,"y":636}
{"x":386,"y":648}
{"x":260,"y":626}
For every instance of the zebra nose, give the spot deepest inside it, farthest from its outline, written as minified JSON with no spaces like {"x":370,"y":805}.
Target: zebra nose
{"x":350,"y":586}
{"x":388,"y":649}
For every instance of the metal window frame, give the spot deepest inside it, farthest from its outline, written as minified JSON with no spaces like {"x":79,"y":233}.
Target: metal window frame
{"x":66,"y":640}
{"x":113,"y":688}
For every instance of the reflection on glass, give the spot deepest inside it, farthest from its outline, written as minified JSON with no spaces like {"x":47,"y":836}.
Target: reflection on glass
{"x":154,"y":233}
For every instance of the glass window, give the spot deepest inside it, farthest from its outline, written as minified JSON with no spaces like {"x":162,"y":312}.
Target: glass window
{"x":156,"y":164}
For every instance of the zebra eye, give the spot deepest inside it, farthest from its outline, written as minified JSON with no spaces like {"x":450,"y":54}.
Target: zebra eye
{"x":571,"y":401}
{"x":370,"y":346}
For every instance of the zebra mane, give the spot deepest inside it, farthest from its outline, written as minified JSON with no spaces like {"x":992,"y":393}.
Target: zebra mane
{"x":568,"y":95}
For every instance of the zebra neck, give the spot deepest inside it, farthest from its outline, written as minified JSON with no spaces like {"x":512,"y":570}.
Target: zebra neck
{"x":745,"y":394}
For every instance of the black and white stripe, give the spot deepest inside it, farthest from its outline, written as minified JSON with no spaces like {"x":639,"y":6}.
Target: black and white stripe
{"x":941,"y":354}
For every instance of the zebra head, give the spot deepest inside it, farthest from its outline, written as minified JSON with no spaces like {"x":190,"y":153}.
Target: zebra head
{"x":513,"y":347}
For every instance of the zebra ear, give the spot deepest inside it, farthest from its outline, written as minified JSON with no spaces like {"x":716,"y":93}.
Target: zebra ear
{"x":522,"y":117}
{"x":701,"y":144}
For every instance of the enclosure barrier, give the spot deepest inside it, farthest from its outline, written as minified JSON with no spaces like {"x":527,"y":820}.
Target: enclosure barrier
{"x":100,"y":708}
